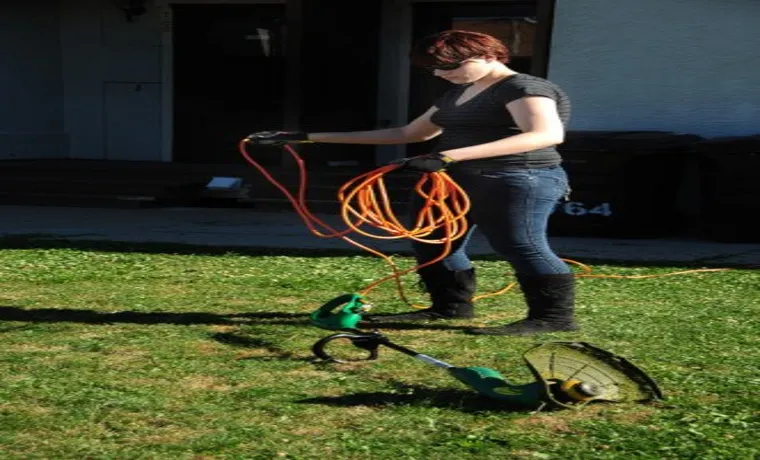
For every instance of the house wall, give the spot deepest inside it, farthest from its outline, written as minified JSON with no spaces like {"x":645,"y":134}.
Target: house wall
{"x":31,"y":93}
{"x":112,"y":81}
{"x":681,"y":65}
{"x":80,"y":81}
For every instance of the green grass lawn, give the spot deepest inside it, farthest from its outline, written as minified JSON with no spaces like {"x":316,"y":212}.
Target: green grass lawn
{"x":118,"y":351}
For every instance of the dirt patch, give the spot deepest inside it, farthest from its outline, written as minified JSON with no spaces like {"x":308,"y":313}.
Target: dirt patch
{"x":32,"y":348}
{"x":208,"y":349}
{"x":204,"y":382}
{"x":633,"y":417}
{"x":546,"y":422}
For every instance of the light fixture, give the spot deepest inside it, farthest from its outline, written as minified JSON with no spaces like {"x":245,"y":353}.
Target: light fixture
{"x":224,"y":183}
{"x":132,"y":8}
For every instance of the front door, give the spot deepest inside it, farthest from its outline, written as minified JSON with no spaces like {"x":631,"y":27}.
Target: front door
{"x":338,"y":77}
{"x":514,"y":22}
{"x":229,"y":74}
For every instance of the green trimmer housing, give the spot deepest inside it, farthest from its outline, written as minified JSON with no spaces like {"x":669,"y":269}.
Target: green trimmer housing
{"x":341,"y":313}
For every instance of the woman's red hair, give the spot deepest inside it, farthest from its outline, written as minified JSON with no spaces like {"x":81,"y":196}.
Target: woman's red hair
{"x":454,"y":46}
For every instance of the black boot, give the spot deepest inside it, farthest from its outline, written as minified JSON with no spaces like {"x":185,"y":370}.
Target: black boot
{"x":551,"y":302}
{"x":450,"y":291}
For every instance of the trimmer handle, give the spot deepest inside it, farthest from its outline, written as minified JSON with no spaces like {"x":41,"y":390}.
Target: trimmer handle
{"x":369,"y":342}
{"x":341,"y":313}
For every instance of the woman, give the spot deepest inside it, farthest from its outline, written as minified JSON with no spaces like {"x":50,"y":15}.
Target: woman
{"x":496,"y":132}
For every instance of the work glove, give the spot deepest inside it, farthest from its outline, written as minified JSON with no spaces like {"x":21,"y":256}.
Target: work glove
{"x":432,"y":162}
{"x":278,"y":138}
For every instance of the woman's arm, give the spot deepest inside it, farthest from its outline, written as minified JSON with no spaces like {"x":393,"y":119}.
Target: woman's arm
{"x":537,"y":118}
{"x":419,"y":130}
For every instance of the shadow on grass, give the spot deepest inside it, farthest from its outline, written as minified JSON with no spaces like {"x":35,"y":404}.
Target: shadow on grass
{"x":51,"y":242}
{"x":34,"y":241}
{"x":70,"y":315}
{"x":413,"y":395}
{"x":240,"y":341}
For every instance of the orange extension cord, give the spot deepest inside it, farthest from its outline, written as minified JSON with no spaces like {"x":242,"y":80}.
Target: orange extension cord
{"x":364,"y":201}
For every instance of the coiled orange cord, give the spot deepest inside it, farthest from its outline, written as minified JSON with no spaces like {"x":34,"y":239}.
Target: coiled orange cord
{"x":364,"y":201}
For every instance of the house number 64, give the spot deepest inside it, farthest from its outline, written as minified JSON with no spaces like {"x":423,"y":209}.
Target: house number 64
{"x":578,"y":208}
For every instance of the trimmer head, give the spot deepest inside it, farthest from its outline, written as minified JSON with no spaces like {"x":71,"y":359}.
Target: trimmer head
{"x":575,"y":373}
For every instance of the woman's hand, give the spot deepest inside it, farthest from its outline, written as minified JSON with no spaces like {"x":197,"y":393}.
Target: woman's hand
{"x":432,"y":162}
{"x":278,"y":138}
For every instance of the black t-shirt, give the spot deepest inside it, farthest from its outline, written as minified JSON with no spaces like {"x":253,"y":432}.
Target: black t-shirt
{"x":485,"y":118}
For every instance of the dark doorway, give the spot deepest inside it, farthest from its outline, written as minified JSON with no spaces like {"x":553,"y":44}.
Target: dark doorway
{"x":229,"y":74}
{"x":516,"y":22}
{"x":337,"y":76}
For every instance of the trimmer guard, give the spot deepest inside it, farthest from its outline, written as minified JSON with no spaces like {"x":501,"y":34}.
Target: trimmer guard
{"x":613,"y":378}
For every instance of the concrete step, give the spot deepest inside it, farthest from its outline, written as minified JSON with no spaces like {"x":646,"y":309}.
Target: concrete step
{"x":142,"y":184}
{"x":79,"y":200}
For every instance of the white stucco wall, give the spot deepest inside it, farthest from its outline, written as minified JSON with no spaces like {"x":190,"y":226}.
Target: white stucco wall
{"x":111,"y":80}
{"x":80,"y":81}
{"x":31,"y":92}
{"x":682,"y":65}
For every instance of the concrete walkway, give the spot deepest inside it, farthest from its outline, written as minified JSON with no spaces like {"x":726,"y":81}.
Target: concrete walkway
{"x":235,"y":227}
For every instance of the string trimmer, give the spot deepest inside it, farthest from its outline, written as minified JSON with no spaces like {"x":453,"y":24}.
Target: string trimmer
{"x":568,"y":374}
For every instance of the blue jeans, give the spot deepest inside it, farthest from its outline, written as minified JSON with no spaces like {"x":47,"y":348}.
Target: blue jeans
{"x":511,"y":208}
